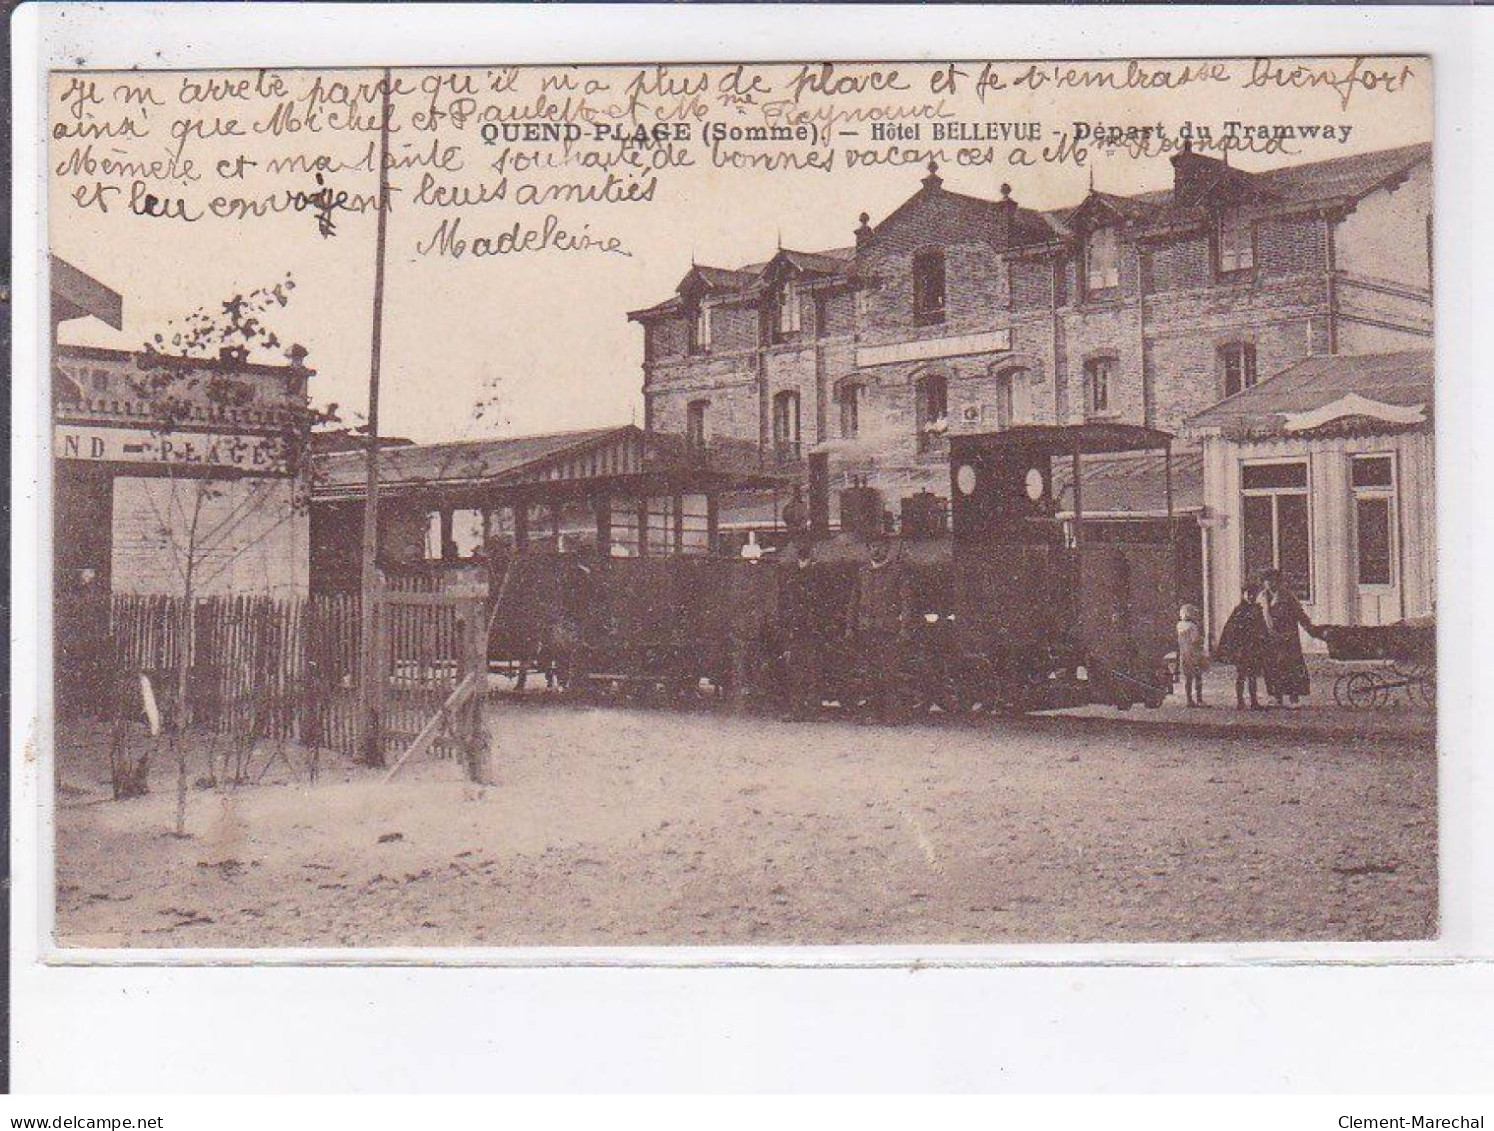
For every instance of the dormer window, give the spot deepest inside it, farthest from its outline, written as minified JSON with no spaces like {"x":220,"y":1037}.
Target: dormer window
{"x":1236,"y":242}
{"x":786,"y":321}
{"x":700,"y":330}
{"x":1102,"y":260}
{"x":928,"y":288}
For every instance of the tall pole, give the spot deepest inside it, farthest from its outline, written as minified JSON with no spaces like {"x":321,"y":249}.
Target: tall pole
{"x":373,"y":675}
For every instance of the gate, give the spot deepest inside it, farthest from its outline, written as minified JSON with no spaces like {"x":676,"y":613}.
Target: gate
{"x":432,"y":650}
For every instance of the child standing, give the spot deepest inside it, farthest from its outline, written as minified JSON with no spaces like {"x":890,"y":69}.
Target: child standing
{"x":1193,"y":658}
{"x":1243,"y":643}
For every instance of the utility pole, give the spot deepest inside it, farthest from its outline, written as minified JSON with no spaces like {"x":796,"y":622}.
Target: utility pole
{"x":372,"y":683}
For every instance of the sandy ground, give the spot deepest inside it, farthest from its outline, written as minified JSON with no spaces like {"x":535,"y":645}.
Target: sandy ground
{"x":616,"y":826}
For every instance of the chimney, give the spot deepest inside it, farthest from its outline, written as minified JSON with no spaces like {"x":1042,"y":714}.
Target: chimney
{"x":1192,"y":173}
{"x":933,"y":180}
{"x":1006,"y":217}
{"x":864,"y":231}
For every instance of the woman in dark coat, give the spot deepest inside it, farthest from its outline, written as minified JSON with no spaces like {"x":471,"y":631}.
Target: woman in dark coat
{"x":1285,"y":669}
{"x":1243,"y":643}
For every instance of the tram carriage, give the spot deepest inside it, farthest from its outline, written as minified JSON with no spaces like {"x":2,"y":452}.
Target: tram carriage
{"x":1018,"y":610}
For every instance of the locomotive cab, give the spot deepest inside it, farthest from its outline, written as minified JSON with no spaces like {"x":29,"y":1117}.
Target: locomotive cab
{"x":1046,"y":617}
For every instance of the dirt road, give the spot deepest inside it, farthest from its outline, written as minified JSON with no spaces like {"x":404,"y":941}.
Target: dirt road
{"x":613,"y":826}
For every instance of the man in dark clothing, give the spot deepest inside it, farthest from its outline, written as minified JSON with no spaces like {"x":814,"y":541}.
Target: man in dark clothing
{"x":1243,"y":643}
{"x":884,"y":603}
{"x":799,"y":616}
{"x":1285,"y":668}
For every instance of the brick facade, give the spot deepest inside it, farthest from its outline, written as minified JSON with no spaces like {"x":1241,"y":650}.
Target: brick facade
{"x":1337,"y":262}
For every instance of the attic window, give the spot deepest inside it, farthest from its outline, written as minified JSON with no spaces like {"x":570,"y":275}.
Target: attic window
{"x":700,"y":330}
{"x":928,"y":288}
{"x":786,"y":324}
{"x":1236,"y":241}
{"x":1102,"y":260}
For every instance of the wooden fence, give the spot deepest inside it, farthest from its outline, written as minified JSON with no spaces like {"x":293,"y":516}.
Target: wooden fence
{"x":293,"y":661}
{"x":291,"y":667}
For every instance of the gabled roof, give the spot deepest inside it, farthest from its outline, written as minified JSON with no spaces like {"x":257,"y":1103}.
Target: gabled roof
{"x":341,"y":474}
{"x":549,"y":466}
{"x":1400,"y":379}
{"x":1126,"y":208}
{"x":714,"y":278}
{"x":1339,"y":180}
{"x":744,"y":282}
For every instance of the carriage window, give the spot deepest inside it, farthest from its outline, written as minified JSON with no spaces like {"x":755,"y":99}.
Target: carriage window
{"x":1373,"y":479}
{"x":1099,"y":375}
{"x":1276,"y":527}
{"x":1236,"y":242}
{"x":932,"y":411}
{"x":700,"y":330}
{"x":467,"y":532}
{"x":1238,"y":362}
{"x":1102,"y":260}
{"x":695,"y":426}
{"x":786,"y":425}
{"x":928,"y":288}
{"x":850,"y":410}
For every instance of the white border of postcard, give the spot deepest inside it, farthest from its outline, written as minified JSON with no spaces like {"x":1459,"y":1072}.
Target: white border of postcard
{"x":1132,"y":1019}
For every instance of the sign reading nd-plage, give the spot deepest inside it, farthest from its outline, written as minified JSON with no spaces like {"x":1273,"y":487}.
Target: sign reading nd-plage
{"x":249,"y":454}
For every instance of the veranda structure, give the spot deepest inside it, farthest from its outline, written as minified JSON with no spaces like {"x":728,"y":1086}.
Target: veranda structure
{"x":616,"y":491}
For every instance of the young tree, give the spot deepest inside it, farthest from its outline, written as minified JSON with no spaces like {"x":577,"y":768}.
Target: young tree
{"x":223,"y":491}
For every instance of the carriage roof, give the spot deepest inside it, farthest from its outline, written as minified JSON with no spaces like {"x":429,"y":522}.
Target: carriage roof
{"x":1062,"y":440}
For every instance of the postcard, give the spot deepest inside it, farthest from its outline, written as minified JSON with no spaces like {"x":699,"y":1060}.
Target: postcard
{"x":973,"y":501}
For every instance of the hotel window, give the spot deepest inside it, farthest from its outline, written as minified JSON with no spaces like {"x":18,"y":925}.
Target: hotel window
{"x":700,"y":330}
{"x":695,"y":426}
{"x":786,"y":320}
{"x":1012,"y":396}
{"x":932,"y":411}
{"x":850,"y":410}
{"x":1373,"y":479}
{"x":1236,"y":242}
{"x":1276,"y":530}
{"x":1099,"y":376}
{"x":928,"y":288}
{"x":786,"y":425}
{"x":1237,"y":360}
{"x":1102,"y":260}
